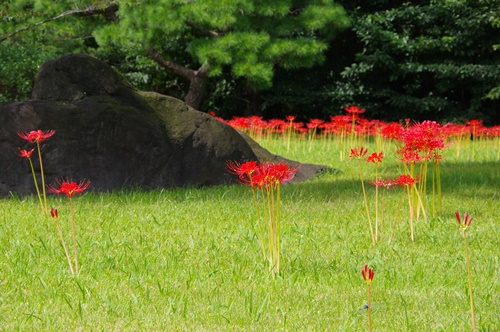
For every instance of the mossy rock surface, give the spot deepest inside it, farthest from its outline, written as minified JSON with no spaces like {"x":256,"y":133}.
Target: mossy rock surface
{"x":116,"y":136}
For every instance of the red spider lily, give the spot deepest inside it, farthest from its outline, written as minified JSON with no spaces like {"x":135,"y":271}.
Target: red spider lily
{"x":375,"y":157}
{"x":406,"y":180}
{"x":393,"y":130}
{"x":420,"y":141}
{"x":409,"y":157}
{"x":244,"y":171}
{"x":467,"y":220}
{"x":54,"y":213}
{"x":36,"y":135}
{"x":367,"y":273}
{"x":354,"y":110}
{"x":314,"y":123}
{"x":476,"y":123}
{"x":268,"y":174}
{"x":25,"y":153}
{"x":259,"y":175}
{"x":384,"y":183}
{"x":291,"y":118}
{"x":275,"y":124}
{"x":69,"y":188}
{"x":355,"y":153}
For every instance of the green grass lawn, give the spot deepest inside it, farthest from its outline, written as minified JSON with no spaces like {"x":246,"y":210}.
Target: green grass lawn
{"x":190,"y":259}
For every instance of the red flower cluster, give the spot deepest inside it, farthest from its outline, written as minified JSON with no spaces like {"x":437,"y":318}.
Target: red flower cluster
{"x":36,"y":135}
{"x":69,"y":188}
{"x":343,"y":124}
{"x":421,"y":142}
{"x":265,"y":174}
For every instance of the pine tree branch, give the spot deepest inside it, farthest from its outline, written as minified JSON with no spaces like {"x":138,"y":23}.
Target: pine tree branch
{"x":175,"y":68}
{"x":109,"y":12}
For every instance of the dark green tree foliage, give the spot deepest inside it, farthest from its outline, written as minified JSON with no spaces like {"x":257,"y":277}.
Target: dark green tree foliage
{"x":197,"y":40}
{"x":432,"y":60}
{"x":32,"y":32}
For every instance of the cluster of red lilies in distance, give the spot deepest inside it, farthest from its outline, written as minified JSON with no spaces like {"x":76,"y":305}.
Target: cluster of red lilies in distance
{"x":353,"y":122}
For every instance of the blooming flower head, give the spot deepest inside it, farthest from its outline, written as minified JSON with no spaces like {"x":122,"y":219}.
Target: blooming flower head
{"x":291,"y":117}
{"x":354,"y":110}
{"x":69,"y":188}
{"x":36,"y":135}
{"x":393,"y":131}
{"x":244,"y":171}
{"x":466,"y":222}
{"x":384,"y":183}
{"x":367,"y":274}
{"x":270,"y":175}
{"x":358,"y":153}
{"x":25,"y":153}
{"x":259,"y":175}
{"x":375,"y":157}
{"x":406,"y":180}
{"x":314,"y":123}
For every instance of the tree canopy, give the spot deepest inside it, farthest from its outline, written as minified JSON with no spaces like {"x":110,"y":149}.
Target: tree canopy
{"x":429,"y":59}
{"x":249,"y":37}
{"x":426,"y":59}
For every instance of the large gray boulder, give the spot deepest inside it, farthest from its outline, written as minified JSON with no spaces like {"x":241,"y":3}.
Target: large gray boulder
{"x":118,"y":137}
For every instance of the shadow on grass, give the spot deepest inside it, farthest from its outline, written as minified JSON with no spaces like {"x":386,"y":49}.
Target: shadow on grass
{"x":478,"y":179}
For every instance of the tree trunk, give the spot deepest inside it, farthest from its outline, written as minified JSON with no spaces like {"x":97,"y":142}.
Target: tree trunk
{"x":198,"y":79}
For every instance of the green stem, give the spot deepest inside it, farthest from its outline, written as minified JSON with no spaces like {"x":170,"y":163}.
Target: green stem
{"x":366,"y":202}
{"x":73,"y":234}
{"x":259,"y":219}
{"x":370,"y":328}
{"x":65,"y":248}
{"x":43,"y":177}
{"x":438,"y":179}
{"x":469,"y":277}
{"x":278,"y":225}
{"x":376,"y":203}
{"x":36,"y":185}
{"x":397,"y":216}
{"x":411,"y":212}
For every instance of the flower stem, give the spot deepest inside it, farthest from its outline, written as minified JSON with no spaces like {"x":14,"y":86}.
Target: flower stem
{"x":469,"y":277}
{"x":397,"y":216}
{"x":366,"y":202}
{"x":65,"y":248}
{"x":259,"y":219}
{"x":376,"y":203}
{"x":73,"y":234}
{"x":370,"y":328}
{"x":36,"y":185}
{"x":45,"y":209}
{"x":411,"y":213}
